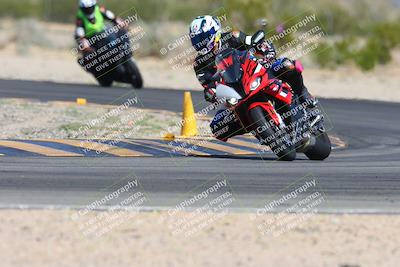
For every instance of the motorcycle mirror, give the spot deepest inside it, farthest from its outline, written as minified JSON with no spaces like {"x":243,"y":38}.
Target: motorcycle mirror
{"x":258,"y":37}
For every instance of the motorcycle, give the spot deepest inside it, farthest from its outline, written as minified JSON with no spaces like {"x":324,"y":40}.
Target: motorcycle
{"x":267,"y":107}
{"x":109,"y":59}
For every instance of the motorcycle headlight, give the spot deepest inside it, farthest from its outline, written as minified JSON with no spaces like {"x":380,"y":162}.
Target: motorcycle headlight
{"x":255,"y":84}
{"x":232,"y":101}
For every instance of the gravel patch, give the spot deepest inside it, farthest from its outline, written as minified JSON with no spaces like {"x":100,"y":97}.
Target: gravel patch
{"x":30,"y":119}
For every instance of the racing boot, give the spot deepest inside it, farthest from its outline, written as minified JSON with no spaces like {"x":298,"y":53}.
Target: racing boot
{"x":313,"y":110}
{"x":292,"y":74}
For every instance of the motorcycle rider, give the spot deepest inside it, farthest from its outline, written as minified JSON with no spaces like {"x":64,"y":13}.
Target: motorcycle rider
{"x":90,"y":20}
{"x":209,"y":40}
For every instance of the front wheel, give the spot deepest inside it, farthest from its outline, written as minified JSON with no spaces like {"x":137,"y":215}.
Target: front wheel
{"x":136,"y":77}
{"x":268,"y":135}
{"x":320,"y":148}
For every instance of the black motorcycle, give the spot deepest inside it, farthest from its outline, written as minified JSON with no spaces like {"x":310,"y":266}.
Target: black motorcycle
{"x":109,"y":59}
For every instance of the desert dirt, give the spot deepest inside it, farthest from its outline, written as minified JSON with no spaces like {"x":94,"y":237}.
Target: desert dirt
{"x":230,"y":240}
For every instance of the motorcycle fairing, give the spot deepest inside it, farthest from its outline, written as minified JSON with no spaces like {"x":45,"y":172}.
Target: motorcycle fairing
{"x":240,"y":67}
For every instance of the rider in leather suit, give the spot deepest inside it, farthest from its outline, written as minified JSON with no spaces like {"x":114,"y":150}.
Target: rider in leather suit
{"x":209,"y":40}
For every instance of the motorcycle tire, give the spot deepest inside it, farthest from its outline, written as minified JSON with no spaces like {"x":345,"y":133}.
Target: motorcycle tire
{"x":283,"y":150}
{"x":136,"y":77}
{"x":321,"y":147}
{"x":105,"y":81}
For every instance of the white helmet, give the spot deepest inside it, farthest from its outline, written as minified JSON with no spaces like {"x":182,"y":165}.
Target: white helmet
{"x":205,"y":34}
{"x":88,"y":7}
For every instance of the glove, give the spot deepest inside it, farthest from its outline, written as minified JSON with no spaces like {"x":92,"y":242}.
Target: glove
{"x":121,"y":23}
{"x":210,"y":94}
{"x":84,"y":46}
{"x":269,"y":50}
{"x":262,"y":46}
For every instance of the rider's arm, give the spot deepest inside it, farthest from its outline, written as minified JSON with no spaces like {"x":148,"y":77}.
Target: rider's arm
{"x":204,"y":75}
{"x":79,"y":30}
{"x":242,"y":41}
{"x":262,"y":46}
{"x":107,"y":14}
{"x":80,"y":36}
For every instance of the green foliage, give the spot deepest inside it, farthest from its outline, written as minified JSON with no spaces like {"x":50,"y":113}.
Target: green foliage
{"x":388,"y":32}
{"x":364,"y":59}
{"x":344,"y":51}
{"x":337,"y":20}
{"x":331,"y":55}
{"x":324,"y":55}
{"x":245,"y":13}
{"x":372,"y":53}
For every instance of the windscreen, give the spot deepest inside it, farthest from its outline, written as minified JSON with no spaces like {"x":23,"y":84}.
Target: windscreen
{"x":228,"y":64}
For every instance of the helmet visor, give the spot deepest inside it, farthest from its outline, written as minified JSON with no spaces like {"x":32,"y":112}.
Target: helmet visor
{"x":204,"y":41}
{"x":88,"y":10}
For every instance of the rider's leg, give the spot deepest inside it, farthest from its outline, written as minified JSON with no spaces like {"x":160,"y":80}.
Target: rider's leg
{"x":291,"y":72}
{"x":224,"y":125}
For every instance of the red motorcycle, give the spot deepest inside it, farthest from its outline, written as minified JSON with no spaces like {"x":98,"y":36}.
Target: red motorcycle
{"x":267,"y":107}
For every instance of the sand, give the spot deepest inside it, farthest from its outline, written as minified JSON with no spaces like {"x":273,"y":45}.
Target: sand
{"x":52,"y":238}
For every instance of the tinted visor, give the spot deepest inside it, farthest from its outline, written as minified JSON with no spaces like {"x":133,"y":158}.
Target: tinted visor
{"x":88,"y":10}
{"x":202,"y":40}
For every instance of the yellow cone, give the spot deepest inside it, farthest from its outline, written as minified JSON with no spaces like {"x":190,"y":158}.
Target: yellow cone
{"x":189,"y":126}
{"x":81,"y":101}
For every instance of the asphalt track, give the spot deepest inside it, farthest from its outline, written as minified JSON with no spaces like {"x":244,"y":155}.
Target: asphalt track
{"x":362,"y":178}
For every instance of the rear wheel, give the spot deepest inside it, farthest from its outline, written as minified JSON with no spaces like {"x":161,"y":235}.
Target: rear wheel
{"x":136,"y":77}
{"x":320,"y":147}
{"x":271,"y":136}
